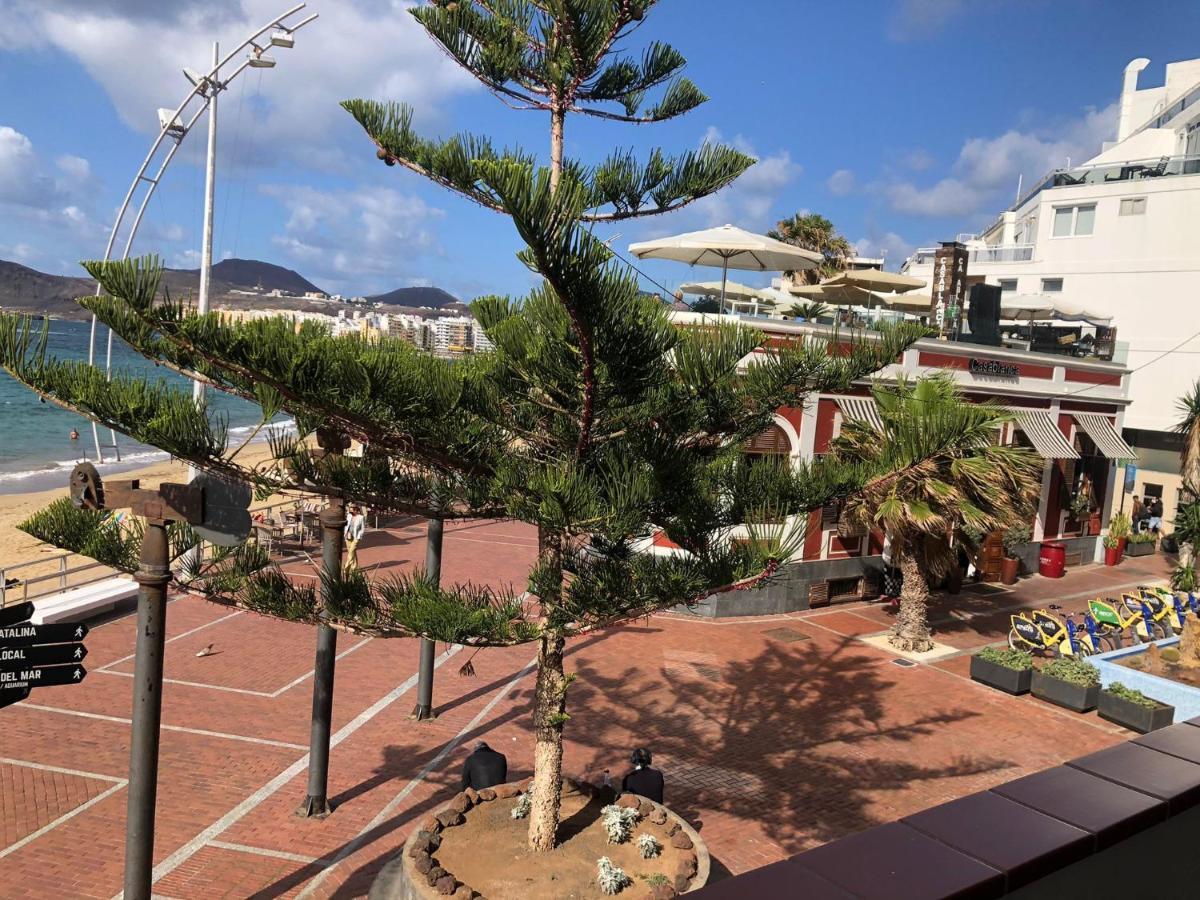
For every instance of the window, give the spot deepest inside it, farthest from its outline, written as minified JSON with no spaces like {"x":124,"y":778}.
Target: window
{"x":1133,"y":206}
{"x":1052,"y":285}
{"x":1074,"y":221}
{"x":1008,"y":284}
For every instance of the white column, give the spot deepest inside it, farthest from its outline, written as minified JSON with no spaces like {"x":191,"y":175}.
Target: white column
{"x":210,"y":189}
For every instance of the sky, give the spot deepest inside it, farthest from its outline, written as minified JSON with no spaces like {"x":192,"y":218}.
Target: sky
{"x":905,"y":122}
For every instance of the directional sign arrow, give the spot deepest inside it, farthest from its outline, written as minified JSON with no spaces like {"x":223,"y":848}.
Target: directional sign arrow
{"x":11,"y":615}
{"x":24,"y":635}
{"x":41,"y":677}
{"x":7,"y":698}
{"x":12,"y":658}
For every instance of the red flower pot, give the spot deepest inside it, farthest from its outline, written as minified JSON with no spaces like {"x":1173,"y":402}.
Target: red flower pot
{"x":1112,"y":556}
{"x":1121,"y":542}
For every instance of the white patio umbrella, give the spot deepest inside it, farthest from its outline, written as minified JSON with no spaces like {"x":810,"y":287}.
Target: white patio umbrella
{"x":1031,"y":307}
{"x":732,"y":289}
{"x":729,"y":248}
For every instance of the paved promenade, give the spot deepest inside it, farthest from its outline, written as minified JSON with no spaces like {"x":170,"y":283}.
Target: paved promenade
{"x":775,"y":734}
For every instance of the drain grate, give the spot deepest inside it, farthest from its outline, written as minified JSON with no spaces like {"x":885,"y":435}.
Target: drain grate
{"x":903,"y":663}
{"x":787,"y":635}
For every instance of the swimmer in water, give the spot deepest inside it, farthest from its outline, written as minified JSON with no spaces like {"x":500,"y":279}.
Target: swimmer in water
{"x":74,"y":435}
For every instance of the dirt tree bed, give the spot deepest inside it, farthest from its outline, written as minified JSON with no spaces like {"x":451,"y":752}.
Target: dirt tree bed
{"x":472,"y":847}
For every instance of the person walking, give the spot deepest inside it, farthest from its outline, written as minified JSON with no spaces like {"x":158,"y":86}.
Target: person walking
{"x":643,"y":780}
{"x":1156,"y":514}
{"x":356,"y":524}
{"x":484,"y":768}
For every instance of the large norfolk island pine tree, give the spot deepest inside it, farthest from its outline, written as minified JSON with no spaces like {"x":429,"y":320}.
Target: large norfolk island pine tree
{"x":594,"y":418}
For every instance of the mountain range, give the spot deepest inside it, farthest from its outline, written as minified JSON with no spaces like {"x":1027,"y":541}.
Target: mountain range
{"x":27,"y":290}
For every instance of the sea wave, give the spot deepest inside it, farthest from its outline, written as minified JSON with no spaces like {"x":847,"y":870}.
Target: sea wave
{"x":137,"y":458}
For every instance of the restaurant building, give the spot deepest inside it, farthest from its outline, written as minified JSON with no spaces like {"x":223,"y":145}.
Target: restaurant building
{"x":1069,"y":409}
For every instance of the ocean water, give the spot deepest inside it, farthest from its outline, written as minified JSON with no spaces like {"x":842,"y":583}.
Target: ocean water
{"x":36,"y":450}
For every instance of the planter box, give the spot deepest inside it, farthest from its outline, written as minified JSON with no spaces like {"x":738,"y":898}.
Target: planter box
{"x":1142,"y":549}
{"x":1064,"y":694}
{"x":1002,"y":678}
{"x":1134,"y":716}
{"x":1010,"y":568}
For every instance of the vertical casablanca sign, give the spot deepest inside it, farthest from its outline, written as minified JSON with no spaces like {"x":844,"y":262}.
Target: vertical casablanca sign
{"x":949,"y":286}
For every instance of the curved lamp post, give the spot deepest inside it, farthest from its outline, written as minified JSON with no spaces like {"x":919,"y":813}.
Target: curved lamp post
{"x":173,"y":128}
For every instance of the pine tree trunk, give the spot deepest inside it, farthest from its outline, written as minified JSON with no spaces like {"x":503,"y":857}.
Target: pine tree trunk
{"x":558,"y":118}
{"x":550,"y":701}
{"x":911,"y":630}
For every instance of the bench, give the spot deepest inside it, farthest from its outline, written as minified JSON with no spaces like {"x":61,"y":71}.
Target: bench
{"x":79,"y":603}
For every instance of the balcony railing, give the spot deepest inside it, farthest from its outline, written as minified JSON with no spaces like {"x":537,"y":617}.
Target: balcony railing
{"x":999,"y":253}
{"x":1126,"y":170}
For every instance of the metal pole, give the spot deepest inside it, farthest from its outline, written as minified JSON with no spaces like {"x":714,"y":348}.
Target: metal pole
{"x":724,"y":279}
{"x":433,"y":569}
{"x":153,"y":575}
{"x":210,"y":193}
{"x":316,"y":804}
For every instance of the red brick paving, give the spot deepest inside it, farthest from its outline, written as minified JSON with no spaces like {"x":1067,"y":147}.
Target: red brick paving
{"x":769,"y":746}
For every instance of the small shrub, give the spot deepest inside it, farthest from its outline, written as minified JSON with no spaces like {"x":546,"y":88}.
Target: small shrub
{"x":1183,"y":578}
{"x":648,"y":845}
{"x":1111,"y":542}
{"x":1171,"y":655}
{"x":610,"y":878}
{"x":1129,"y":694}
{"x":618,"y":822}
{"x":1073,"y":671}
{"x":521,"y":808}
{"x":1014,"y":538}
{"x":1010,"y":659}
{"x":1143,"y":537}
{"x":655,"y":880}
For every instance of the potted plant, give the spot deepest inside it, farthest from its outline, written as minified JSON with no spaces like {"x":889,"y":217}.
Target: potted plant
{"x":1142,"y":543}
{"x":1006,"y":670}
{"x":1120,"y":528}
{"x":1133,"y":709}
{"x":1014,"y":538}
{"x":1081,"y":511}
{"x":1112,"y":550}
{"x":1068,"y":682}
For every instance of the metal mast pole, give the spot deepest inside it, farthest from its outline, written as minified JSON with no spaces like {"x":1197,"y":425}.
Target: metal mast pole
{"x":210,"y":193}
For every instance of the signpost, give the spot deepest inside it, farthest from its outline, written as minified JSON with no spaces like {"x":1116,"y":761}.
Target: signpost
{"x":11,"y":615}
{"x":25,"y":635}
{"x":33,"y":656}
{"x":949,"y":287}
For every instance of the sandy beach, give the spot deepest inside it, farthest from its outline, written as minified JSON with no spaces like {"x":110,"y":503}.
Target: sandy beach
{"x":18,"y":547}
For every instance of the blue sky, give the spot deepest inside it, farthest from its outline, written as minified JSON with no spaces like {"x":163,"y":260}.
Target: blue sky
{"x":905,"y":122}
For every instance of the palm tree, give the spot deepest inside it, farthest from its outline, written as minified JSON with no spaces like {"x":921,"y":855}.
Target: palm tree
{"x":814,"y":232}
{"x":976,"y":486}
{"x":808,"y":311}
{"x":1189,"y":467}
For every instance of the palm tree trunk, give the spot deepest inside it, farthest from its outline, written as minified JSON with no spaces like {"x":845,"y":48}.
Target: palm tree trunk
{"x":550,"y":702}
{"x":911,"y":630}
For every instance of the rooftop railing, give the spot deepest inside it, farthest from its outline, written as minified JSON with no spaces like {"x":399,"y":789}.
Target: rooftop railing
{"x":988,"y":254}
{"x":1126,"y":170}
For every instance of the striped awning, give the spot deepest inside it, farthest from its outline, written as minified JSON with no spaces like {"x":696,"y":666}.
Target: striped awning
{"x":1047,"y":440}
{"x":1101,"y":431}
{"x":861,"y":408}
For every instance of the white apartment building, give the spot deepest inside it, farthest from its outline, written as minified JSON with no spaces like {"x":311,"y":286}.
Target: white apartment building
{"x":452,"y":334}
{"x":1118,"y":234}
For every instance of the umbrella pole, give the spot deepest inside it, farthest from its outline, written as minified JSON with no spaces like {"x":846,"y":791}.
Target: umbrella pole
{"x":724,"y":279}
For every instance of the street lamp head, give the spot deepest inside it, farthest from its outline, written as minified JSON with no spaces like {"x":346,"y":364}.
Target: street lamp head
{"x":283,"y":38}
{"x":258,"y":60}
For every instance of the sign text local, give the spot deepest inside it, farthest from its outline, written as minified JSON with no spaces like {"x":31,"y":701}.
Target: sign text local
{"x":993,"y":368}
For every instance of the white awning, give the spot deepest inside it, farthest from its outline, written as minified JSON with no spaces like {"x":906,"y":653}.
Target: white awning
{"x":1100,"y":430}
{"x":861,"y":408}
{"x":1045,"y":436}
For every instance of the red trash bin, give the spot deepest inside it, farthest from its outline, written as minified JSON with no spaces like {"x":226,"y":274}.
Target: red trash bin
{"x":1052,"y":560}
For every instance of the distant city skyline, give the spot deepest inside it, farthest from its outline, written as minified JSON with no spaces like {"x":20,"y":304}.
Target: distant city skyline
{"x":903,"y":122}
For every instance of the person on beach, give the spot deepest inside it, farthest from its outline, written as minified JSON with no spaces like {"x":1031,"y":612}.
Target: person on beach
{"x":484,"y":768}
{"x":356,"y":524}
{"x":643,"y":780}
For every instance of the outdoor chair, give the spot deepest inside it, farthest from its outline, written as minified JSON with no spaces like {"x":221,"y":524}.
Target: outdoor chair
{"x":1159,"y":168}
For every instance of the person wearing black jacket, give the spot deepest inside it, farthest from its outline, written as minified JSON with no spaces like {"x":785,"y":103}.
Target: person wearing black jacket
{"x":484,"y":768}
{"x":643,"y":780}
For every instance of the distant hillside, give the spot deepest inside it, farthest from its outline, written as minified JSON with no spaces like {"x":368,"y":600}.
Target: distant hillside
{"x":432,"y":297}
{"x":252,"y":273}
{"x":26,"y":289}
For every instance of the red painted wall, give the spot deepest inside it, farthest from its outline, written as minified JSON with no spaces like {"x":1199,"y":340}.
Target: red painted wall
{"x":1086,"y":376}
{"x":953,"y":361}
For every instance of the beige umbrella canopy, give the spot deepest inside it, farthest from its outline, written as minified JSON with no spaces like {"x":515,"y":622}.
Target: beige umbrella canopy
{"x":875,"y":280}
{"x":729,"y":248}
{"x":862,"y":287}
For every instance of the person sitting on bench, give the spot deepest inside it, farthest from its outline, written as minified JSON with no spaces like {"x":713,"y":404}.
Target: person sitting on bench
{"x":484,"y":768}
{"x":643,"y":780}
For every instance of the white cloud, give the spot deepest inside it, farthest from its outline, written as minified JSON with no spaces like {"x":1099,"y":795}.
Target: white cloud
{"x":917,"y":19}
{"x":891,"y":246}
{"x":135,"y":50}
{"x":345,"y":238}
{"x":750,"y":201}
{"x":919,"y":160}
{"x":31,"y":192}
{"x":987,"y":169}
{"x":841,"y":182}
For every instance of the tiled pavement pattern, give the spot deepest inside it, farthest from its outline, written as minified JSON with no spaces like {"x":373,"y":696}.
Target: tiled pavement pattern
{"x":776,"y":734}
